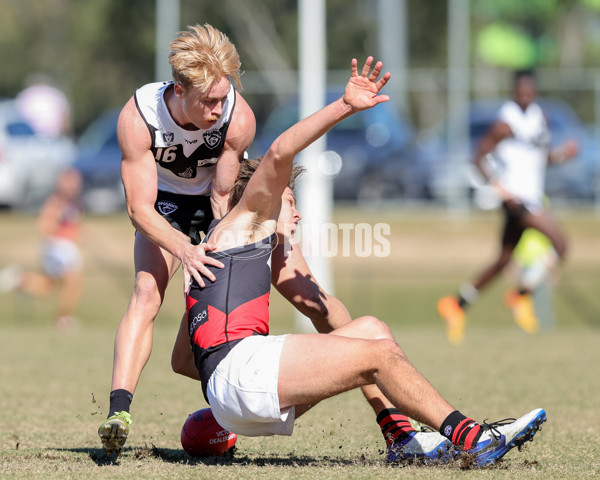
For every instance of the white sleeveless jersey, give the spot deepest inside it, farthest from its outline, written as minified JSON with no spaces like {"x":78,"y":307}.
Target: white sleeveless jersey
{"x":185,"y":159}
{"x":524,"y":156}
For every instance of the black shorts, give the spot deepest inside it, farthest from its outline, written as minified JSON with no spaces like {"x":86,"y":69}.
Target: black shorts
{"x":513,"y":225}
{"x":190,"y":214}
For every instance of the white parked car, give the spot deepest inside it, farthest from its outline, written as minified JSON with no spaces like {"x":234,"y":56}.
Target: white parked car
{"x":29,"y":163}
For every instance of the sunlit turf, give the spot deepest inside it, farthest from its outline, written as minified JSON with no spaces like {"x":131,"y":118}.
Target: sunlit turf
{"x":55,"y":386}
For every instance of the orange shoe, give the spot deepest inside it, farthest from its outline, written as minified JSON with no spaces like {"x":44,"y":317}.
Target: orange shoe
{"x":454,"y":318}
{"x":523,"y":311}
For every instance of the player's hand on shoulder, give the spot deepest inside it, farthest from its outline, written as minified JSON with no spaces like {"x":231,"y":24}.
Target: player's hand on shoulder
{"x":193,"y":263}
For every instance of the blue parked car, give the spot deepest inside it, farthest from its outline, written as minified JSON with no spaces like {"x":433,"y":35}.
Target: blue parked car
{"x":99,"y":161}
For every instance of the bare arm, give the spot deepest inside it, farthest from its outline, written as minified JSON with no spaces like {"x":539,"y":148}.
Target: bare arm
{"x":567,"y":151}
{"x":263,"y":193}
{"x":48,"y":218}
{"x":487,"y":144}
{"x":292,"y":277}
{"x":138,"y":172}
{"x":239,"y":136}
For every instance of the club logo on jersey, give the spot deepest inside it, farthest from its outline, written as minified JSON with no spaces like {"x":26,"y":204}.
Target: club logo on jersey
{"x":187,"y":173}
{"x":165,"y":207}
{"x":168,"y":137}
{"x":212,"y":138}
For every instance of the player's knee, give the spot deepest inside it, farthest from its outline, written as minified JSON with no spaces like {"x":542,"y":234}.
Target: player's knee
{"x":146,"y":292}
{"x":390,"y":352}
{"x":375,"y":328}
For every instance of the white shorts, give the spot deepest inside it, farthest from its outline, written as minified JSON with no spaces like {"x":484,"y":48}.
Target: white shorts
{"x":60,"y":256}
{"x":242,"y":391}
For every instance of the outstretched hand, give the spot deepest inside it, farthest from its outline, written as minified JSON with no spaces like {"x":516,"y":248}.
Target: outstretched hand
{"x":362,"y":91}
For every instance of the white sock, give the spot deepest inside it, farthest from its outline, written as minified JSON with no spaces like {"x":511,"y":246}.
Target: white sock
{"x":468,"y":292}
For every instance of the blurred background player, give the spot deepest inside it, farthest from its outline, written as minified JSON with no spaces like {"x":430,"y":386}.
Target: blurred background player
{"x":520,"y":140}
{"x":59,"y":222}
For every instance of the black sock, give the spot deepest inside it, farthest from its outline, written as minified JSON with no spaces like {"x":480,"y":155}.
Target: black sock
{"x":394,"y":425}
{"x":120,"y":401}
{"x":462,"y":431}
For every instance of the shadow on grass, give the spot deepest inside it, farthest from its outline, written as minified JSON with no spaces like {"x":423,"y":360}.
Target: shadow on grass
{"x":177,"y":456}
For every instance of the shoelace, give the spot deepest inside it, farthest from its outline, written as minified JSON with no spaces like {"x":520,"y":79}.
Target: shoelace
{"x":493,"y":426}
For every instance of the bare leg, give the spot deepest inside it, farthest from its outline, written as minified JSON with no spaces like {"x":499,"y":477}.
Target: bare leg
{"x":309,"y":372}
{"x":493,"y":270}
{"x":513,"y":230}
{"x":36,"y":284}
{"x":544,"y":223}
{"x":133,"y":343}
{"x":70,"y":294}
{"x":182,"y":358}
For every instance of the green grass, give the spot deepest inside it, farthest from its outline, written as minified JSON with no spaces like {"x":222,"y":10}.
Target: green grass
{"x":54,"y":391}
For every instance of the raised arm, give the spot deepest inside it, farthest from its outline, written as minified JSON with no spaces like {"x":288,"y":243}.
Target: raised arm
{"x":292,"y":277}
{"x":264,"y":190}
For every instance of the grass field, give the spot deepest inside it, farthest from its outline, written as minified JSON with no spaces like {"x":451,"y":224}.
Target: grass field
{"x":54,"y":387}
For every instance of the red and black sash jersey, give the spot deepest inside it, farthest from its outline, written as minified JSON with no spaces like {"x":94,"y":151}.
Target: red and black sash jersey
{"x":233,"y":307}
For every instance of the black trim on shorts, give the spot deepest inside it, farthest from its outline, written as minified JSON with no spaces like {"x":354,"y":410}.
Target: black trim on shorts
{"x":513,"y":226}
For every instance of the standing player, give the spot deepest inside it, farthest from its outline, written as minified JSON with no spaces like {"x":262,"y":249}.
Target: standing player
{"x":258,"y":384}
{"x":59,"y":222}
{"x":181,"y":143}
{"x":521,"y":140}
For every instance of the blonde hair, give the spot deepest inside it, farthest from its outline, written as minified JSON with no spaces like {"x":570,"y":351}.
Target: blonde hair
{"x":201,"y":56}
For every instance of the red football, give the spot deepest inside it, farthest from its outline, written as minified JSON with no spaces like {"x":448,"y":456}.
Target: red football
{"x":202,"y":436}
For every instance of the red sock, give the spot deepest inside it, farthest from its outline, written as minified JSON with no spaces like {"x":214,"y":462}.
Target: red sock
{"x":394,"y":425}
{"x":462,"y":431}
